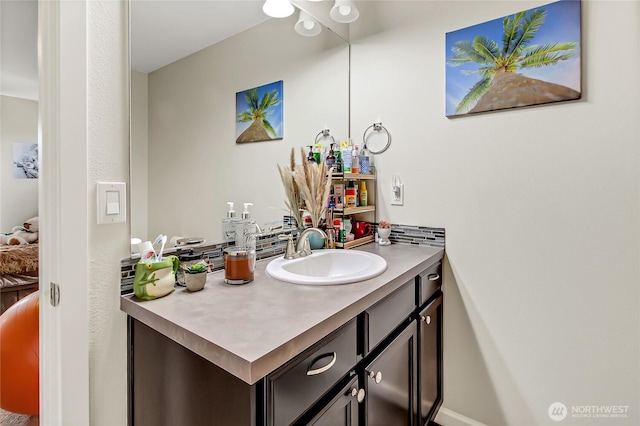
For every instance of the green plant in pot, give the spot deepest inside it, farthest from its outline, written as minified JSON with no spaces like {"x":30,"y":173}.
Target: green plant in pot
{"x":195,"y":276}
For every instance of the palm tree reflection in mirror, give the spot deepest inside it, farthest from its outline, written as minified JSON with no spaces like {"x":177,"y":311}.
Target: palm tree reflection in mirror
{"x":505,"y":73}
{"x":253,"y":106}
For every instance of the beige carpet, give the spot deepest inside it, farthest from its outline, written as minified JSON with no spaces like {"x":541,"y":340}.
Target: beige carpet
{"x":8,"y":418}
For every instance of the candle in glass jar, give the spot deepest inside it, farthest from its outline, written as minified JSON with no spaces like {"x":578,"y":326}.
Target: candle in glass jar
{"x":239,"y":264}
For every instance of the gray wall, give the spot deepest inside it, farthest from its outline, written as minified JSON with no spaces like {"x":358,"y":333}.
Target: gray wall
{"x":540,"y":206}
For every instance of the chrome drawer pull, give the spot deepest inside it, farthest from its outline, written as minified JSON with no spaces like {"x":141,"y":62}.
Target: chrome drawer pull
{"x":326,"y":367}
{"x":426,"y":319}
{"x":433,"y":277}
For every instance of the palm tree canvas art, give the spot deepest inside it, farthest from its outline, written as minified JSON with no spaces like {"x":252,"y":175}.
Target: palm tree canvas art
{"x":259,"y":113}
{"x":528,"y":58}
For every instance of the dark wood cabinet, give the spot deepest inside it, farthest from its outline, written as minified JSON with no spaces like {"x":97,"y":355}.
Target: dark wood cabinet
{"x":390,"y":382}
{"x":342,"y":410}
{"x":383,"y":367}
{"x":430,"y":365}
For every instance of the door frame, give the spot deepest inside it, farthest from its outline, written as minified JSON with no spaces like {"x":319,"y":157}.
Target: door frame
{"x":63,"y":211}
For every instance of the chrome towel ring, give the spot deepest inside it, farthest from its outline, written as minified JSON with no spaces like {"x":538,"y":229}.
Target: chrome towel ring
{"x":325,"y":134}
{"x":377,"y":127}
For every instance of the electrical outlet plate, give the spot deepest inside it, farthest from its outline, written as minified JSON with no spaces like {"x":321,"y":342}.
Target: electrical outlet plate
{"x":397,"y":196}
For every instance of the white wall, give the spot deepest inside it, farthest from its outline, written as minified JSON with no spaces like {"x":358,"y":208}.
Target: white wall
{"x":540,"y":206}
{"x":18,"y":197}
{"x":195,"y":165}
{"x":108,"y":160}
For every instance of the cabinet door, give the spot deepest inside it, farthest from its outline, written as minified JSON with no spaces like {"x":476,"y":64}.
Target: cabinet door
{"x":430,"y":366}
{"x":390,"y":384}
{"x":343,"y":409}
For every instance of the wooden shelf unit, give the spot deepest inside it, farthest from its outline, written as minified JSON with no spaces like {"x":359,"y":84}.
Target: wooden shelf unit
{"x":361,"y":213}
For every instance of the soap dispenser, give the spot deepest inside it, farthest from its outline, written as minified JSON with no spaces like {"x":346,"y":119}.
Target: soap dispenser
{"x":246,"y":230}
{"x":229,"y":225}
{"x":310,"y":157}
{"x":331,"y":158}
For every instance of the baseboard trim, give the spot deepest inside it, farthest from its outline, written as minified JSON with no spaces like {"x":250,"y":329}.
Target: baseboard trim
{"x":446,"y":417}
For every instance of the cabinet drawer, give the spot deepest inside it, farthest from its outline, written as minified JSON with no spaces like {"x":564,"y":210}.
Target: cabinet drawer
{"x":294,"y":388}
{"x":429,"y":282}
{"x":382,"y":318}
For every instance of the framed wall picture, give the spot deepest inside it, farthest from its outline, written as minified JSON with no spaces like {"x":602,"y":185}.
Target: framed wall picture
{"x":25,"y":160}
{"x":259,"y":113}
{"x":528,"y":58}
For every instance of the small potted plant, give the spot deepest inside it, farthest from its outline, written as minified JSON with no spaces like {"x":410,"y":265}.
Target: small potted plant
{"x":384,"y":230}
{"x":195,"y":276}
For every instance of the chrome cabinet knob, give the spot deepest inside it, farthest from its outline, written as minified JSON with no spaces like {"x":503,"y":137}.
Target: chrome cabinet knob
{"x":376,"y":376}
{"x":358,"y":393}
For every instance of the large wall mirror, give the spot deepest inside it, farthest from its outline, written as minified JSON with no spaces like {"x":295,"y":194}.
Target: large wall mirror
{"x":185,"y":162}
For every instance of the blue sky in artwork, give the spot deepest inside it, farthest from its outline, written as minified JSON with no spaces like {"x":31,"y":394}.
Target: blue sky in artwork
{"x":274,"y":113}
{"x":562,"y":24}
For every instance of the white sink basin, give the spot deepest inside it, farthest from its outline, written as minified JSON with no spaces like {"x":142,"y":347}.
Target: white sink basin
{"x":328,"y":267}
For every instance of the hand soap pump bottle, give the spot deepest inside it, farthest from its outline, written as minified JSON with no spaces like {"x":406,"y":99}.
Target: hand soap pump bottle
{"x":246,"y":230}
{"x":331,"y":159}
{"x":310,"y":157}
{"x":229,"y":225}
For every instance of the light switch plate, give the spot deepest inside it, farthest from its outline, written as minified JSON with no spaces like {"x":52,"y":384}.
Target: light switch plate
{"x":112,"y":202}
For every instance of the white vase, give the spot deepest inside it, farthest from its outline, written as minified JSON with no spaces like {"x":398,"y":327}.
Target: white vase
{"x":383,"y":234}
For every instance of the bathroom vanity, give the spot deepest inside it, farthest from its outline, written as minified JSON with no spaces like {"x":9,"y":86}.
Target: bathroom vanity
{"x":276,"y":353}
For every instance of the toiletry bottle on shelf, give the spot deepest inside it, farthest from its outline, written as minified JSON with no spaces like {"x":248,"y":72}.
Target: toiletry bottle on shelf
{"x":365,"y":162}
{"x":350,"y":195}
{"x":229,"y":224}
{"x":331,"y":159}
{"x":338,"y":230}
{"x":317,"y":152}
{"x":331,"y":235}
{"x":346,"y":157}
{"x":246,"y":230}
{"x":338,"y":155}
{"x":363,"y":193}
{"x":355,"y":161}
{"x":310,"y":157}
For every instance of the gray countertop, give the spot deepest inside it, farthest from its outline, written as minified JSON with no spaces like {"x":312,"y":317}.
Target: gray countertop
{"x":252,"y":329}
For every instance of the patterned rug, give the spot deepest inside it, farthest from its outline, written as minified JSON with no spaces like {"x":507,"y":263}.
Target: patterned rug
{"x":8,"y":418}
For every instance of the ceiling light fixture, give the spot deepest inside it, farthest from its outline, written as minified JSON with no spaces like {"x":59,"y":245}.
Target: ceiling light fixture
{"x":307,"y":26}
{"x":278,"y":8}
{"x":344,"y":11}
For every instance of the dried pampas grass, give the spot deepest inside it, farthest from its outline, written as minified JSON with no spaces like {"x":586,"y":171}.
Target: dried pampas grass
{"x":293,"y":202}
{"x":307,"y":188}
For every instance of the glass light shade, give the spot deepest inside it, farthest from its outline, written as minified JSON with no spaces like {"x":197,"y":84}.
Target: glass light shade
{"x":344,"y":11}
{"x":278,"y":8}
{"x":307,"y":26}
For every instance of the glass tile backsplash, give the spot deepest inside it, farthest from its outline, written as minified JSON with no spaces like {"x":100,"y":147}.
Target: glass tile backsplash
{"x":269,"y":245}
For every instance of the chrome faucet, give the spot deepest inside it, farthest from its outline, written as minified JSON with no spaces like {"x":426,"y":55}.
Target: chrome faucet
{"x":303,"y":248}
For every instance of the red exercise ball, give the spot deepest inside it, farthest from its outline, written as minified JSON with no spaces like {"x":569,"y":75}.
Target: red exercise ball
{"x":19,"y":356}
